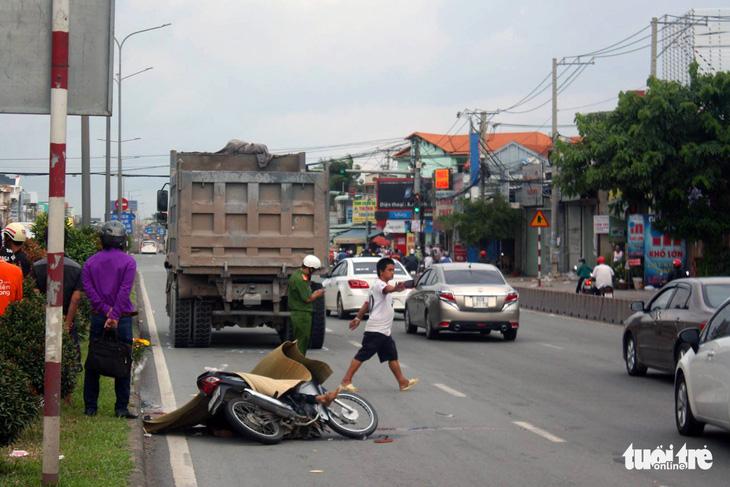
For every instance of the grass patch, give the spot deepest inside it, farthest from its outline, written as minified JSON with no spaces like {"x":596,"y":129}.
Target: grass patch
{"x":95,"y":449}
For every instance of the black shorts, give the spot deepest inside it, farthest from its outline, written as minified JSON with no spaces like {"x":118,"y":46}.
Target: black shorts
{"x":374,"y":342}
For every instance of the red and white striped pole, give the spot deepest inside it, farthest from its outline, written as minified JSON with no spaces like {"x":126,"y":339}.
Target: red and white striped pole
{"x":56,"y":222}
{"x":539,"y":258}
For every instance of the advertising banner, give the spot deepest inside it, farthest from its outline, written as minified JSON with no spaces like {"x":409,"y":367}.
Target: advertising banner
{"x":363,"y":211}
{"x":635,"y":241}
{"x":444,"y":207}
{"x":660,"y":251}
{"x":394,"y":194}
{"x":600,"y":224}
{"x":531,"y":193}
{"x":395,"y":226}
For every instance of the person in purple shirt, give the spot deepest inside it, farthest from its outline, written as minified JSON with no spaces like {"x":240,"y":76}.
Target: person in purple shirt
{"x":108,"y":279}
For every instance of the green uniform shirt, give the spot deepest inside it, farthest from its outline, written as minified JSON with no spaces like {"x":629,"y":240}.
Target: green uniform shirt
{"x":299,"y":290}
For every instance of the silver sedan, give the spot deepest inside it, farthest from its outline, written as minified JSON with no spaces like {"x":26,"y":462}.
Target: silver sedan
{"x":463,"y":297}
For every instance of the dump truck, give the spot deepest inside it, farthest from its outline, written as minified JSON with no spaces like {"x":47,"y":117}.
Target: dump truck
{"x":236,"y":231}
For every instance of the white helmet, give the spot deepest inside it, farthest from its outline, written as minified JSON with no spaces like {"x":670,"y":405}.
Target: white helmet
{"x":311,"y":261}
{"x":16,"y":232}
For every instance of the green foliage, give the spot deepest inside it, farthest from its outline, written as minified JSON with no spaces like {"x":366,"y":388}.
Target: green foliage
{"x":18,"y":405}
{"x":338,"y":181}
{"x":484,"y":220}
{"x":83,"y":242}
{"x":667,"y":151}
{"x":23,"y":339}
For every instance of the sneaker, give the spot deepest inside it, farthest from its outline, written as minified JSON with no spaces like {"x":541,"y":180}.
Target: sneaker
{"x":126,"y":414}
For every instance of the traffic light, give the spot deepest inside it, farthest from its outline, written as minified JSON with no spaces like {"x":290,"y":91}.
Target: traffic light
{"x":416,"y":203}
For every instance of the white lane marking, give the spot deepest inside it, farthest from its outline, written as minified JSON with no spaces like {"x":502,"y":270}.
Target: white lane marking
{"x":182,"y":467}
{"x":449,"y":390}
{"x":551,"y":346}
{"x":328,"y":330}
{"x":538,"y":431}
{"x":354,"y":343}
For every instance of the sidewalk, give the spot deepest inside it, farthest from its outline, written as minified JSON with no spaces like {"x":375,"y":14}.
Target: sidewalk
{"x":558,"y":296}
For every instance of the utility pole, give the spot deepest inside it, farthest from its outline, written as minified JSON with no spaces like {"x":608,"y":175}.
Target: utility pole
{"x":554,"y":195}
{"x":417,"y":186}
{"x":653,"y":46}
{"x":85,"y":173}
{"x":482,"y":153}
{"x":554,"y":191}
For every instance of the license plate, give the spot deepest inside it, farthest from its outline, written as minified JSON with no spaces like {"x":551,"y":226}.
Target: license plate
{"x":483,"y":301}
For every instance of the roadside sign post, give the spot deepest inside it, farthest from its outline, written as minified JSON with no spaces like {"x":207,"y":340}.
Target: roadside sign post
{"x":539,"y":222}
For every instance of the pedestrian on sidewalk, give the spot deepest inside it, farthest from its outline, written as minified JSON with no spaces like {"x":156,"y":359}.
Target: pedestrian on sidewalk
{"x":300,"y":301}
{"x":377,"y":337}
{"x":108,"y":277}
{"x":584,"y":272}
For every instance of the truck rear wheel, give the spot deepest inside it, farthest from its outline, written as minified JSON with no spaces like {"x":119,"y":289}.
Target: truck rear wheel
{"x":316,"y":340}
{"x":202,"y":323}
{"x":180,"y":321}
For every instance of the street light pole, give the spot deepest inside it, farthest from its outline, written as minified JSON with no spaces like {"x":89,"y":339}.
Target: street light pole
{"x":119,"y":114}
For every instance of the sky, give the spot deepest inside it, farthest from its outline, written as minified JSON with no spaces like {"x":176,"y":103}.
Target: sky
{"x":337,"y":77}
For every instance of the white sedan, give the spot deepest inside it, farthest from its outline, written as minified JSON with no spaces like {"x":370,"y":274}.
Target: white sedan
{"x":148,"y":247}
{"x":702,"y":378}
{"x":347,"y":286}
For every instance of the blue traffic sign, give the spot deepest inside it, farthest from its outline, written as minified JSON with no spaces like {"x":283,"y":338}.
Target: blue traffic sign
{"x":161,"y":231}
{"x":149,"y":230}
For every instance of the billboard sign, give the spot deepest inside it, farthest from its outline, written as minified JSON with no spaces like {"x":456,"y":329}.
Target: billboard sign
{"x":394,"y":194}
{"x":25,"y":56}
{"x":660,"y":251}
{"x":635,"y":241}
{"x":363,"y":211}
{"x":442,"y":178}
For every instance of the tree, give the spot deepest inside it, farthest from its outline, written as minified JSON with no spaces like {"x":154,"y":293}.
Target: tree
{"x":667,"y":152}
{"x":484,"y":220}
{"x":340,"y":180}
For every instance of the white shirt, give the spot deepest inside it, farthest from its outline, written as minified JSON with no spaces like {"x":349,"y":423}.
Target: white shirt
{"x":381,"y":310}
{"x":427,"y":262}
{"x":603,"y":275}
{"x":618,"y":256}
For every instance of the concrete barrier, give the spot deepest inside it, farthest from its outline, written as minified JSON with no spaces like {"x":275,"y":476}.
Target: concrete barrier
{"x":596,"y":308}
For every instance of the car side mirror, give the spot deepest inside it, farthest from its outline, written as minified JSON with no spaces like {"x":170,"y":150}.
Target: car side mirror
{"x":637,"y":306}
{"x":691,"y":336}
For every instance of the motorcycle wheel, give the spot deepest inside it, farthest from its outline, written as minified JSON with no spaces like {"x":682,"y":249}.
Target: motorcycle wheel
{"x":358,"y":422}
{"x":246,"y":418}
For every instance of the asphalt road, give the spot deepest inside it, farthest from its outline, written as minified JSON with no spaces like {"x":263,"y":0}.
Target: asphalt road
{"x":555,"y":407}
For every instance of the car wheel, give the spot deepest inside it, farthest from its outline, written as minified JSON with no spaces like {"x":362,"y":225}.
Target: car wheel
{"x":341,"y":313}
{"x":431,"y":333}
{"x":410,"y":328}
{"x":687,"y":425}
{"x":327,"y":312}
{"x":633,"y":367}
{"x":509,"y":334}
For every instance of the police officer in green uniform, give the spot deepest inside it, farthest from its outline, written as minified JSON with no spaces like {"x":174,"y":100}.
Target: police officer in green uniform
{"x":300,"y":301}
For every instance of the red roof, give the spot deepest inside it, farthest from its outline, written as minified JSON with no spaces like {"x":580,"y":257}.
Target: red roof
{"x":459,"y":144}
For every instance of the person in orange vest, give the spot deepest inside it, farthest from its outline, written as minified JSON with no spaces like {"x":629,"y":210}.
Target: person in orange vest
{"x":11,"y":284}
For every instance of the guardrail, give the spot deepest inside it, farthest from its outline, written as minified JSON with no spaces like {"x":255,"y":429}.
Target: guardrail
{"x":597,"y":308}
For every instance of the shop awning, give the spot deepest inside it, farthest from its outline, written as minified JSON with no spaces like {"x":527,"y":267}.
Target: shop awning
{"x":356,"y":236}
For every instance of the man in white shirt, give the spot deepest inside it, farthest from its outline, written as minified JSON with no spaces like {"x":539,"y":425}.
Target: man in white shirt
{"x":603,"y":275}
{"x":377,"y":337}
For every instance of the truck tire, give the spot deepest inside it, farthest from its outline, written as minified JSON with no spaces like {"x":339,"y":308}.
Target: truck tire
{"x":180,"y":321}
{"x":316,"y":339}
{"x":286,"y":333}
{"x":202,"y":323}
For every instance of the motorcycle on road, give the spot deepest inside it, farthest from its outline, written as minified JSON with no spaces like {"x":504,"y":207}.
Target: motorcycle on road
{"x":273,"y":402}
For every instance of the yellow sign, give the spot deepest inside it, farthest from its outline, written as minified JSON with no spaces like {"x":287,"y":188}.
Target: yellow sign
{"x":539,"y":221}
{"x":410,"y":242}
{"x":441,"y":178}
{"x":363,"y":210}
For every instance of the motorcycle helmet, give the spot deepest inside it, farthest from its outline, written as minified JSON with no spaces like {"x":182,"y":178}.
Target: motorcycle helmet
{"x":311,"y":262}
{"x":113,"y":234}
{"x":677,"y":263}
{"x":601,"y":260}
{"x":582,"y":259}
{"x":15,"y":232}
{"x":483,"y":253}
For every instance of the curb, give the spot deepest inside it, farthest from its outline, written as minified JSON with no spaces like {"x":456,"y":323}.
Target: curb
{"x":138,"y":477}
